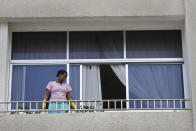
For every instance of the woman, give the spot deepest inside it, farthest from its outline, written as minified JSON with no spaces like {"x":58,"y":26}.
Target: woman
{"x":58,"y":91}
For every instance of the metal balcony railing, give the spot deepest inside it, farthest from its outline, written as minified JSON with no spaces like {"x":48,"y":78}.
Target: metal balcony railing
{"x":33,"y":107}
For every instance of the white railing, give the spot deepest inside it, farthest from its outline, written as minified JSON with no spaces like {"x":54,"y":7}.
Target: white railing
{"x":33,"y":107}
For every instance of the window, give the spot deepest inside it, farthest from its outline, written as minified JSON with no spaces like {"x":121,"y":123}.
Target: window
{"x":96,"y":45}
{"x":74,"y":75}
{"x":38,"y":45}
{"x":154,"y":44}
{"x":29,"y":81}
{"x":155,"y":82}
{"x":138,"y":79}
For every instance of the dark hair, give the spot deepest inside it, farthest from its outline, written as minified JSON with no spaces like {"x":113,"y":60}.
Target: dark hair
{"x":61,"y":72}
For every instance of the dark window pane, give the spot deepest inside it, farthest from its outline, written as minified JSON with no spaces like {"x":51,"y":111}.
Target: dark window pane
{"x":154,"y":44}
{"x":39,"y":45}
{"x":96,"y":45}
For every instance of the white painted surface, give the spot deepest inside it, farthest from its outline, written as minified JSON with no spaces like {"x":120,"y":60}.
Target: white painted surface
{"x":3,"y":61}
{"x":109,"y":121}
{"x":10,"y":9}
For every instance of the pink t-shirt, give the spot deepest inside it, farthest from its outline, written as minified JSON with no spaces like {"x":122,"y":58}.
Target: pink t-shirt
{"x":58,"y":91}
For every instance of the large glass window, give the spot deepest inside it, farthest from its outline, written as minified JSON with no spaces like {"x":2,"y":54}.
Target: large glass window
{"x":146,"y":81}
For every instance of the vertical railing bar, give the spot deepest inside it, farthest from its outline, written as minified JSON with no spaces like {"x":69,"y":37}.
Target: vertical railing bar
{"x":6,"y":105}
{"x":76,"y":105}
{"x":121,"y":104}
{"x":69,"y":105}
{"x":161,"y":106}
{"x":30,"y":105}
{"x":36,"y":105}
{"x":23,"y":106}
{"x":82,"y":105}
{"x":134,"y":105}
{"x":95,"y":104}
{"x":101,"y":106}
{"x":174,"y":104}
{"x":43,"y":105}
{"x":141,"y":104}
{"x":56,"y":105}
{"x":154,"y":104}
{"x":115,"y":104}
{"x":148,"y":104}
{"x":167,"y":103}
{"x":108,"y":104}
{"x":89,"y":105}
{"x":186,"y":104}
{"x":180,"y":104}
{"x":17,"y":105}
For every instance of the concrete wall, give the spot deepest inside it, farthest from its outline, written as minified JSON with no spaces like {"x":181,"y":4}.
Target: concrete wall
{"x":110,"y":121}
{"x":190,"y":39}
{"x":89,"y":8}
{"x":3,"y":62}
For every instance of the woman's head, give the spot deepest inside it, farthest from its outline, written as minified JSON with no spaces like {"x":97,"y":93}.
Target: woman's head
{"x":62,"y":75}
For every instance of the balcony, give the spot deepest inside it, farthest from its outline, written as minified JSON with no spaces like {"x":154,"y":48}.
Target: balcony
{"x":83,"y":106}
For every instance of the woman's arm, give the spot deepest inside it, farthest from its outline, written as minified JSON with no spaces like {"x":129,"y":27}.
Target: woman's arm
{"x":47,"y":94}
{"x":69,"y":96}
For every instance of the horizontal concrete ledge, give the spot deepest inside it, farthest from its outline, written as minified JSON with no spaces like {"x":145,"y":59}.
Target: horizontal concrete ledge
{"x":94,"y":18}
{"x":115,"y":121}
{"x":96,"y":23}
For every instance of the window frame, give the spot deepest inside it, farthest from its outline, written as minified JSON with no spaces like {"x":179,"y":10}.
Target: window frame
{"x":124,"y":60}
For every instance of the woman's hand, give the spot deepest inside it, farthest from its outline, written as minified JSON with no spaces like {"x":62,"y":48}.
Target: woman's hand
{"x":44,"y":104}
{"x":45,"y":99}
{"x":69,"y":98}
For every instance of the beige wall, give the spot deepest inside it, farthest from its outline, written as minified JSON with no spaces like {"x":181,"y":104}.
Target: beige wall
{"x":3,"y":62}
{"x":89,"y":8}
{"x":110,"y":121}
{"x":190,"y":39}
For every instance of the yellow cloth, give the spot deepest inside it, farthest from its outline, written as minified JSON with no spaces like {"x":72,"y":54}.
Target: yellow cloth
{"x":73,"y":105}
{"x":44,"y":104}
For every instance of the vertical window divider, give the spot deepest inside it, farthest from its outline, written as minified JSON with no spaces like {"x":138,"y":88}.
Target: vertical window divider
{"x":127,"y":86}
{"x":81,"y":85}
{"x":68,"y":57}
{"x":124,"y":44}
{"x":67,"y":44}
{"x":68,"y":71}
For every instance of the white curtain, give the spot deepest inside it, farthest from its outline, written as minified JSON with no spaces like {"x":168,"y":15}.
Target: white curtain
{"x":91,"y":89}
{"x":91,"y":82}
{"x":119,"y":70}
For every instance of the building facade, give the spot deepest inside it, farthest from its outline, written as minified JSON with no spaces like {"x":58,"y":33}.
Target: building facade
{"x":148,"y":45}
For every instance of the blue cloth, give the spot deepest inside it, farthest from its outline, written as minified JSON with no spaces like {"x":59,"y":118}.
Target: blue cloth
{"x":60,"y":106}
{"x":155,"y":82}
